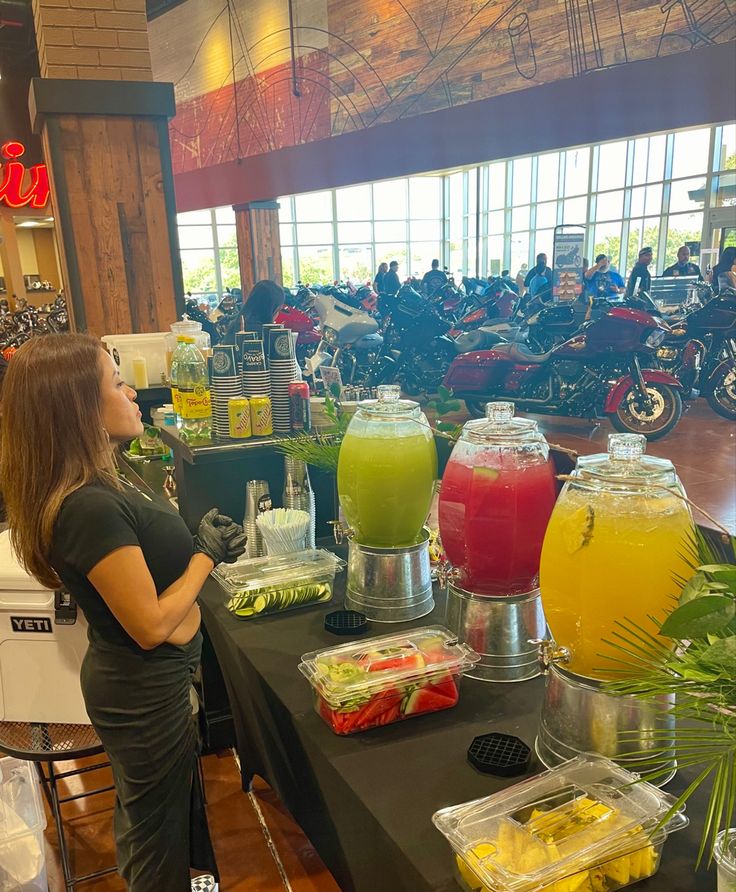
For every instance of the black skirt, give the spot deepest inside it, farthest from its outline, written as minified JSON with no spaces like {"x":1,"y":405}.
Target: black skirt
{"x":139,"y":705}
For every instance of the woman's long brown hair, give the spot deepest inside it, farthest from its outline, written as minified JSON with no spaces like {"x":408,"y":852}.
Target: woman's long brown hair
{"x":52,"y":440}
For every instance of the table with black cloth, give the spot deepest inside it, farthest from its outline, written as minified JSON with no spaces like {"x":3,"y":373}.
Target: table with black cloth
{"x":366,"y":801}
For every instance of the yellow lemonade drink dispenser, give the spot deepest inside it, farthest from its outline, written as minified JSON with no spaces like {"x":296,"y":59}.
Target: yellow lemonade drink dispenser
{"x":616,"y":546}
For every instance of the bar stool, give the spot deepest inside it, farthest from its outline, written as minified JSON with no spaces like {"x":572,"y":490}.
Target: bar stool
{"x":43,"y":743}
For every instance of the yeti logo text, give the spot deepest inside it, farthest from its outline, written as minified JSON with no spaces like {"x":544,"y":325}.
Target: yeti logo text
{"x":31,"y":624}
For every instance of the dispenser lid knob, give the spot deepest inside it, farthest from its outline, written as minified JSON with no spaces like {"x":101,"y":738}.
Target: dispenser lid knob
{"x":626,"y":447}
{"x":500,"y":412}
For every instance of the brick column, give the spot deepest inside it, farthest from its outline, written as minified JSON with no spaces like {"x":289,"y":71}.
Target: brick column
{"x":93,"y":39}
{"x":259,"y":242}
{"x":104,"y":126}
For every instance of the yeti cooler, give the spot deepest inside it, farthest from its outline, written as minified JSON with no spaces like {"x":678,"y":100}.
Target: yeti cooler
{"x":43,"y":640}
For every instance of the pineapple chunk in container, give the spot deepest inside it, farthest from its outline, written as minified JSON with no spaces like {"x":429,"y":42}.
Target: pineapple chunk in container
{"x":585,"y":826}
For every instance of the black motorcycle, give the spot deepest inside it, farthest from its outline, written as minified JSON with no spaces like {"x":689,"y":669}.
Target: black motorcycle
{"x":700,"y":350}
{"x":417,"y":351}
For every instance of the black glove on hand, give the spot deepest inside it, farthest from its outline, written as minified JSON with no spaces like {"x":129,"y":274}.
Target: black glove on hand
{"x":219,"y":538}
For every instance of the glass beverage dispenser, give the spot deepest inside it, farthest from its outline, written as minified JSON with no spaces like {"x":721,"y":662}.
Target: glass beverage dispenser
{"x":385,"y":481}
{"x":497,"y":494}
{"x":616,"y":544}
{"x":498,"y":491}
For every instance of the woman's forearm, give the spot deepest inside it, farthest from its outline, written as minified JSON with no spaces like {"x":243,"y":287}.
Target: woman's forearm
{"x":177,"y":600}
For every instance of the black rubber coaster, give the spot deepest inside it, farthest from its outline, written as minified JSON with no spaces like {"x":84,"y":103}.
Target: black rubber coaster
{"x":501,"y":754}
{"x":346,"y":622}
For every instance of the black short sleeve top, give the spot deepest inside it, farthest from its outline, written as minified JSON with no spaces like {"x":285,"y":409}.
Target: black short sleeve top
{"x":97,"y":519}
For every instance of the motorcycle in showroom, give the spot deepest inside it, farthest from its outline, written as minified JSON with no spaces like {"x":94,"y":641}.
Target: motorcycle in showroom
{"x":417,"y":351}
{"x":350,"y":340}
{"x":700,"y":350}
{"x":597,"y":371}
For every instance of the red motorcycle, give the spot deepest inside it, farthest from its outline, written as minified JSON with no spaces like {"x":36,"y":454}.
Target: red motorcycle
{"x":597,"y":371}
{"x":308,"y":334}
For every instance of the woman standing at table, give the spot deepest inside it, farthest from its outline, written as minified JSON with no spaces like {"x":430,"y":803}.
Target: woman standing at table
{"x":135,"y":571}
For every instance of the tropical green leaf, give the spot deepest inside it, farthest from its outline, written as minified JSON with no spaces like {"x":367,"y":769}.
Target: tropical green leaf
{"x":721,"y":653}
{"x":696,"y":618}
{"x":695,"y":587}
{"x":724,"y":573}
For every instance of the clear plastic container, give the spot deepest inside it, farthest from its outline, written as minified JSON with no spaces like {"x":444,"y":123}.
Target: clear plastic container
{"x":617,"y":541}
{"x":725,"y":856}
{"x":498,"y":492}
{"x":263,"y":585}
{"x":378,"y":681}
{"x":22,"y":822}
{"x":583,"y":827}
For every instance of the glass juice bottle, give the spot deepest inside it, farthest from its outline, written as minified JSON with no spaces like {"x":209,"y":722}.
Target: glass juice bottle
{"x":497,"y":494}
{"x":386,"y":471}
{"x":616,"y":544}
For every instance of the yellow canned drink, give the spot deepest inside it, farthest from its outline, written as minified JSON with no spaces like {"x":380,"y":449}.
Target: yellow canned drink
{"x":238,"y":414}
{"x":260,"y":414}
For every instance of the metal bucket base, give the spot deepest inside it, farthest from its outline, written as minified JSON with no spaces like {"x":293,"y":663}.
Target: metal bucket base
{"x":578,"y":717}
{"x":499,"y":628}
{"x":389,"y":585}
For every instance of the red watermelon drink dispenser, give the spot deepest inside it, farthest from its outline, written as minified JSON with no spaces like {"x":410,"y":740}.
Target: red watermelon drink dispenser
{"x":497,"y":494}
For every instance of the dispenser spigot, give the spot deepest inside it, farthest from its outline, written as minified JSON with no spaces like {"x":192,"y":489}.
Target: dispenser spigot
{"x":550,"y":652}
{"x":340,"y":532}
{"x":447,"y":574}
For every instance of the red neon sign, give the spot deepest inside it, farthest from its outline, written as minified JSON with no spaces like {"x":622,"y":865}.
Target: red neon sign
{"x":11,"y":180}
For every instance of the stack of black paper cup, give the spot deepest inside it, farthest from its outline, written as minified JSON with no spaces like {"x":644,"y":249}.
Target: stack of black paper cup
{"x":268,"y":328}
{"x":281,"y":368}
{"x":256,"y":380}
{"x":226,"y":383}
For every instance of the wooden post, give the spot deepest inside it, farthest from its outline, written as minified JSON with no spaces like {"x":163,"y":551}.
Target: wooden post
{"x":103,"y":123}
{"x":106,"y":146}
{"x":259,"y":242}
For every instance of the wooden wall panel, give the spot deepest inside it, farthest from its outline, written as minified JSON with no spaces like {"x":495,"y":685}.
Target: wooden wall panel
{"x":109,"y":171}
{"x":358,"y":64}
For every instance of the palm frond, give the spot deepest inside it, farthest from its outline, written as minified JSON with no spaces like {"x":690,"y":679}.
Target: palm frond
{"x":692,"y":677}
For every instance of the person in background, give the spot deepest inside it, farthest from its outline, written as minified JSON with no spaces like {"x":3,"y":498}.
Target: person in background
{"x":135,"y":571}
{"x":260,"y":308}
{"x":540,"y":268}
{"x":521,"y":277}
{"x":433,"y":279}
{"x":640,"y":279}
{"x":601,"y":280}
{"x":724,"y":272}
{"x":683,"y":267}
{"x":508,"y":281}
{"x":391,"y":282}
{"x":380,"y":276}
{"x":538,"y":281}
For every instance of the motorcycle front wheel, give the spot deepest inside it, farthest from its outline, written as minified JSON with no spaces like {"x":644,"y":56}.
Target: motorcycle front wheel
{"x":633,"y":417}
{"x":722,"y":395}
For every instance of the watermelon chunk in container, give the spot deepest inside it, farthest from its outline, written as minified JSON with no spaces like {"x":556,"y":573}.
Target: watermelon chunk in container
{"x":374,"y":682}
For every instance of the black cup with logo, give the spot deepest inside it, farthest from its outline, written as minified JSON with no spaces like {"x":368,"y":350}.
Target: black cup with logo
{"x":224,"y":361}
{"x":252,"y":356}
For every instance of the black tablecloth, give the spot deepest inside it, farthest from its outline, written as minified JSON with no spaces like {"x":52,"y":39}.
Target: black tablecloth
{"x":366,"y":801}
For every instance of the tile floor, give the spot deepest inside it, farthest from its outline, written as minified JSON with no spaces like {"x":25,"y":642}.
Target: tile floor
{"x":259,"y":846}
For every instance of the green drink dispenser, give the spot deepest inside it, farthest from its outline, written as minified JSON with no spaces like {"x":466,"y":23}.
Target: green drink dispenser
{"x":385,"y":481}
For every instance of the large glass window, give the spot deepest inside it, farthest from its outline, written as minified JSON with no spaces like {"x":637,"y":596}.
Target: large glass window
{"x":658,"y":188}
